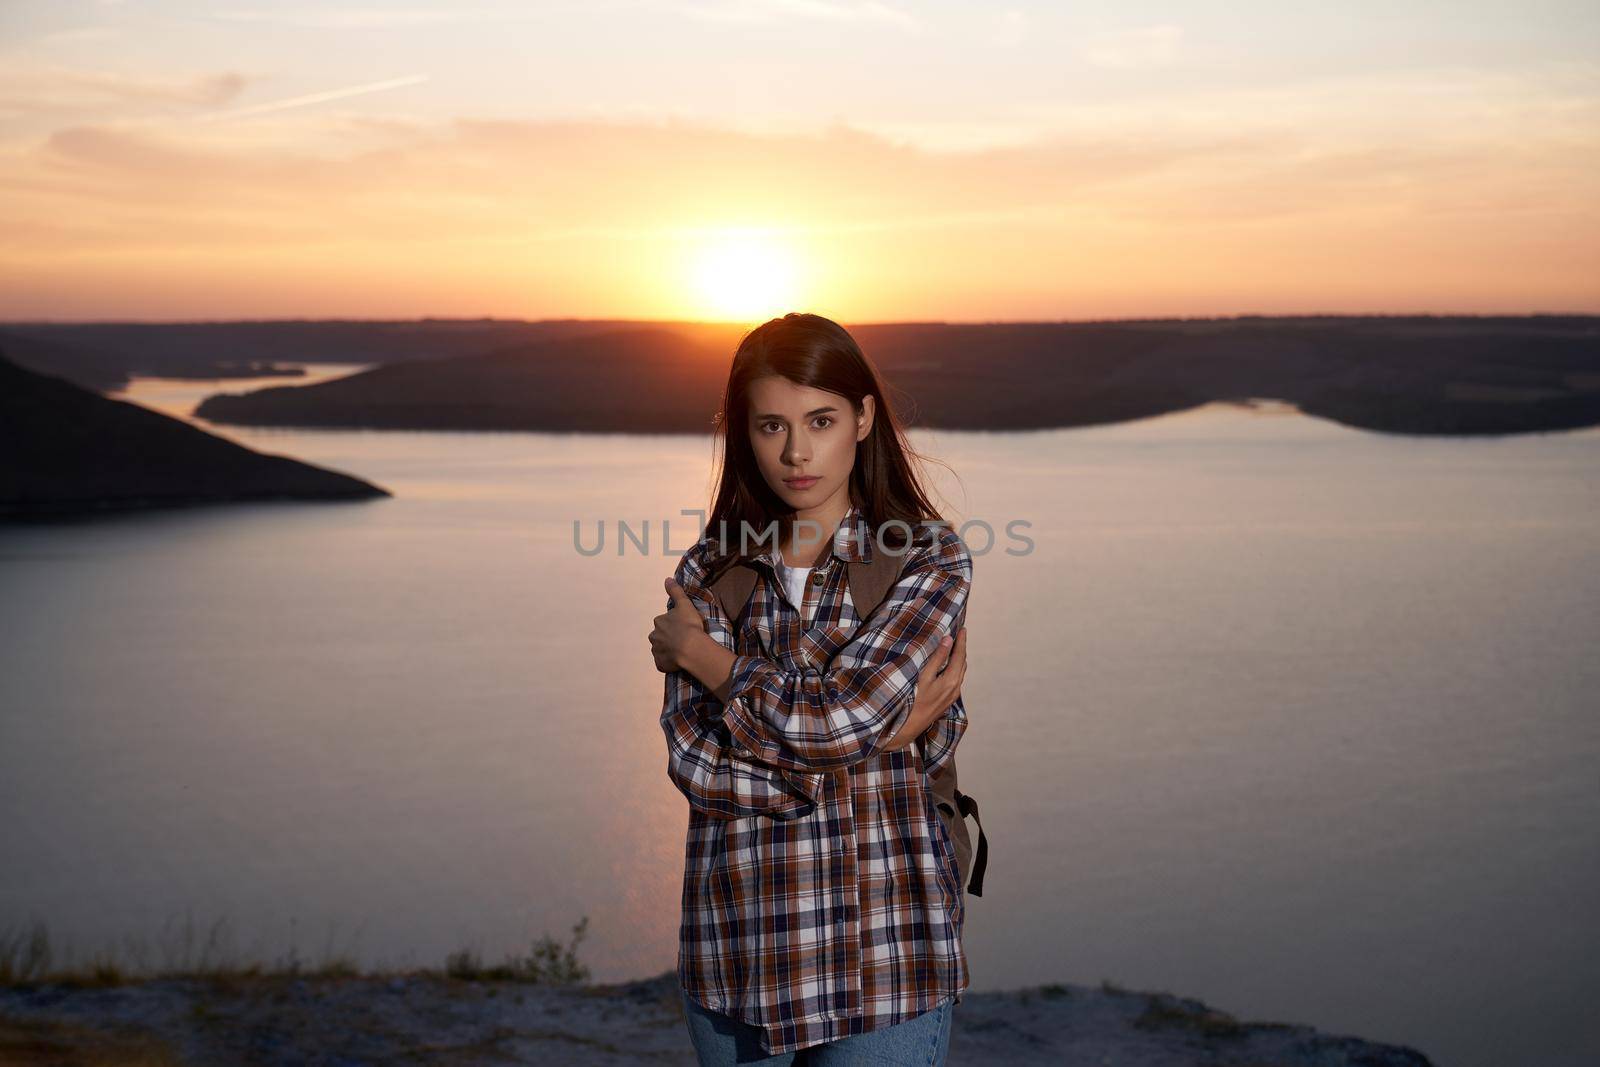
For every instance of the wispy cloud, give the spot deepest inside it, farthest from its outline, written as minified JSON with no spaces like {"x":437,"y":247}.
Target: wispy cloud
{"x":376,"y":181}
{"x":43,"y":89}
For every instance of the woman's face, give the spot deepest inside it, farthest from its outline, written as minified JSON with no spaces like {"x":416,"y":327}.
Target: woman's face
{"x":799,"y":430}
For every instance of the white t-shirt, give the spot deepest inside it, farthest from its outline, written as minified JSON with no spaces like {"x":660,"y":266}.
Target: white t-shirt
{"x":795,"y":578}
{"x":794,"y":583}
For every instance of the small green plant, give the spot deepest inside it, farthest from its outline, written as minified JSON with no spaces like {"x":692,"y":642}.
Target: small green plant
{"x":463,"y":964}
{"x":1164,"y":1012}
{"x":338,"y":967}
{"x":549,"y":963}
{"x":25,"y":955}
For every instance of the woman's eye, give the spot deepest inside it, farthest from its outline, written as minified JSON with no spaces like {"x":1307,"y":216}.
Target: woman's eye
{"x":821,"y":421}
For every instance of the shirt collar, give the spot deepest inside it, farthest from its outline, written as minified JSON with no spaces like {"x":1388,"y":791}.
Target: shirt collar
{"x":852,"y":542}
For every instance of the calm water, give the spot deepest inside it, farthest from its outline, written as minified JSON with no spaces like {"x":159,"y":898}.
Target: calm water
{"x":1294,"y":719}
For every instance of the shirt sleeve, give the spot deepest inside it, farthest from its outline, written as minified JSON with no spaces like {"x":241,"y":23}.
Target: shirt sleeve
{"x":819,"y":720}
{"x":938,"y":742}
{"x":717,"y":775}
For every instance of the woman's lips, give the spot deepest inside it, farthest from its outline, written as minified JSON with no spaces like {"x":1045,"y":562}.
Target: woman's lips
{"x":800,"y":483}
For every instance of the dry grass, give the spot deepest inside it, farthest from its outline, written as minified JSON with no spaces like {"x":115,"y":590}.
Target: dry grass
{"x":28,"y":958}
{"x":39,"y":1043}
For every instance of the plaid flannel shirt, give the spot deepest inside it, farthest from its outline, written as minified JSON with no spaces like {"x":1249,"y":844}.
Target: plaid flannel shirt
{"x":821,"y":893}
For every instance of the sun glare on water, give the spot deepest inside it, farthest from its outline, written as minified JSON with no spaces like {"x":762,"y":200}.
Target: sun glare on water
{"x":745,"y":277}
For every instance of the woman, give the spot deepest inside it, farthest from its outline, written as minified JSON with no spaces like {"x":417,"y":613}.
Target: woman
{"x":822,"y":902}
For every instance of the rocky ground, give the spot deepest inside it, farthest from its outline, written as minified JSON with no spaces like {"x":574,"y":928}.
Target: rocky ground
{"x":346,"y":1021}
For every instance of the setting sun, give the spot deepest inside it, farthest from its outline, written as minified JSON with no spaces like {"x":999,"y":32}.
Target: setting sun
{"x":745,"y":275}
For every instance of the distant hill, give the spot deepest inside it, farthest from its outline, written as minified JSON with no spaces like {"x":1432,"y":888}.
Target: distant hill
{"x":1398,"y":374}
{"x":101,"y":371}
{"x":103,"y":355}
{"x":65,"y":450}
{"x":644,"y":380}
{"x":1416,"y":375}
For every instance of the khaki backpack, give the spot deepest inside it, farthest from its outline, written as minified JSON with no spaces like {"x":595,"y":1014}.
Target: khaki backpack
{"x":869,"y":583}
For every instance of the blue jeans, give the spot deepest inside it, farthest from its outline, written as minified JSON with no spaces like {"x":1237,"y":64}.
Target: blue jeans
{"x":924,"y":1040}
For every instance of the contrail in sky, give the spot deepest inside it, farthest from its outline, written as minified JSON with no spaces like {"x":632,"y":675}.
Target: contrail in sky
{"x":314,"y":98}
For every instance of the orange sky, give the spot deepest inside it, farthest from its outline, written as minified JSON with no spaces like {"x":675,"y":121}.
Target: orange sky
{"x":735,"y":160}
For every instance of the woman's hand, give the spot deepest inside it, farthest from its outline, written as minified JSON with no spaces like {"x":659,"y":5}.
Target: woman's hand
{"x":937,"y":688}
{"x":676,"y":629}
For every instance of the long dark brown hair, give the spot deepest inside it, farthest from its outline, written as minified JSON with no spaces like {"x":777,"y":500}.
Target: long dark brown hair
{"x":812,"y":351}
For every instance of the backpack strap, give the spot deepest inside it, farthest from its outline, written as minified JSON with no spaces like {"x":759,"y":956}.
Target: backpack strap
{"x":732,"y":588}
{"x":969,"y":806}
{"x":870,"y":582}
{"x":954,"y":807}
